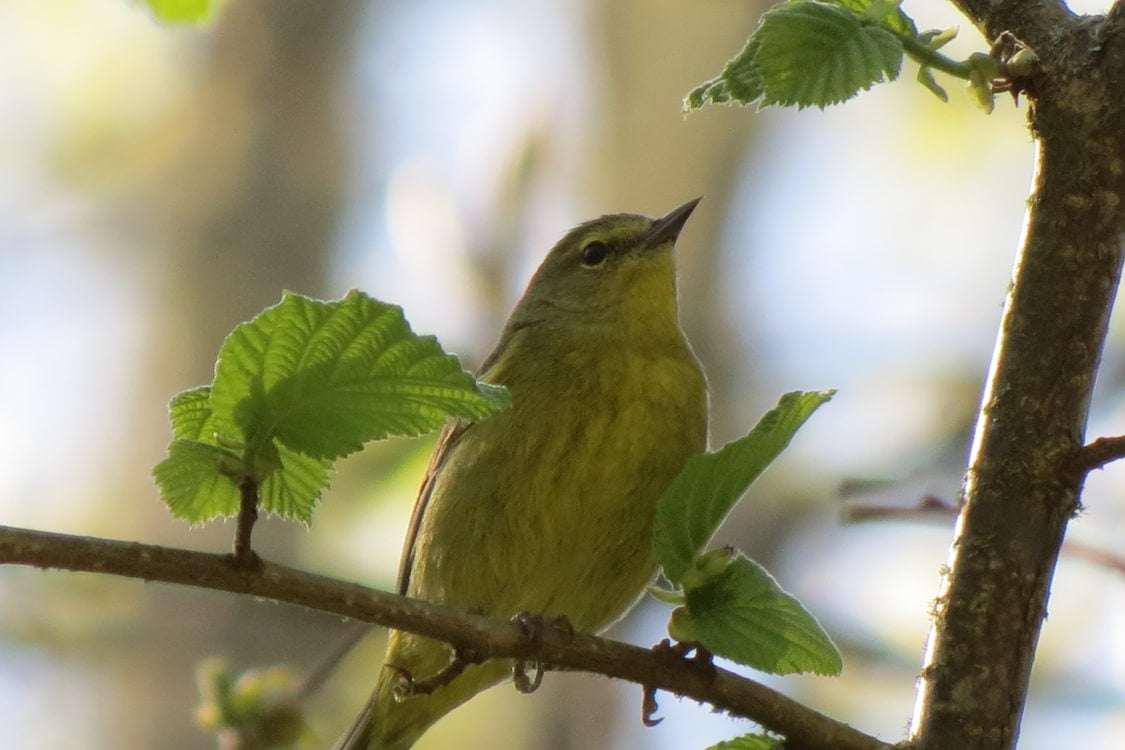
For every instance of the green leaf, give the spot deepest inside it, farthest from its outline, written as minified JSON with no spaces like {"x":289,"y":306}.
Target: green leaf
{"x":698,"y":500}
{"x":984,"y":69}
{"x":301,"y":384}
{"x":192,"y":484}
{"x":926,"y":78}
{"x":180,"y":11}
{"x":707,"y":567}
{"x":668,"y":596}
{"x":746,"y":617}
{"x":751,"y":742}
{"x":817,"y":54}
{"x":739,"y":83}
{"x":189,"y":412}
{"x":197,"y":484}
{"x":935,"y":39}
{"x":885,"y":13}
{"x":294,"y":490}
{"x":324,"y":378}
{"x":812,"y":52}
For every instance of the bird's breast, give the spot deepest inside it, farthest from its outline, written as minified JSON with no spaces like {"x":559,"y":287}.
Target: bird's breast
{"x":552,"y":501}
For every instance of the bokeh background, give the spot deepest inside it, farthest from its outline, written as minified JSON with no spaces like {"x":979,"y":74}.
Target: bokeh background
{"x":158,"y":185}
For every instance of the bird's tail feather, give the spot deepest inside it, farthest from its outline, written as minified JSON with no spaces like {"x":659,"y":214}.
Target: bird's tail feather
{"x":387,"y":723}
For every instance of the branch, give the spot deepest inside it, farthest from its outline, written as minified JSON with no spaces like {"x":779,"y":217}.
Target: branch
{"x":1096,"y":556}
{"x":720,"y":688}
{"x":929,"y":506}
{"x":1020,"y":487}
{"x":244,"y":553}
{"x":1099,"y":453}
{"x":932,"y":507}
{"x":1033,"y":22}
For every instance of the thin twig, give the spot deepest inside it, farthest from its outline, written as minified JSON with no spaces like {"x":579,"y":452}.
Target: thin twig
{"x":1097,"y":454}
{"x":244,"y":554}
{"x":930,"y":506}
{"x":327,"y":666}
{"x":934,"y":507}
{"x":1098,"y":557}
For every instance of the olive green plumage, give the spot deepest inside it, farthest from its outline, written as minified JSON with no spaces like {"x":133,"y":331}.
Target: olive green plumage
{"x":548,"y":507}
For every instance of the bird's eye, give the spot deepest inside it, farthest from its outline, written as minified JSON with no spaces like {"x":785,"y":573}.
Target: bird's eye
{"x":594,"y":254}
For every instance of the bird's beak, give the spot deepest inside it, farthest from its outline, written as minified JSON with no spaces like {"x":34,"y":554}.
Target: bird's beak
{"x":667,"y":229}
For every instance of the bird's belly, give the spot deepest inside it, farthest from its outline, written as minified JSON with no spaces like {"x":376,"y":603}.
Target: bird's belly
{"x":565,"y":528}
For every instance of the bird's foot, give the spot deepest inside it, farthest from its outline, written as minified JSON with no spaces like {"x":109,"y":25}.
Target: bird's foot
{"x":406,"y":686}
{"x":702,"y":658}
{"x":533,"y":627}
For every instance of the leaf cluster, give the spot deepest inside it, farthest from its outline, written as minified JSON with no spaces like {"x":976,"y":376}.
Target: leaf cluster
{"x":728,"y":603}
{"x":808,"y":53}
{"x":302,"y":384}
{"x":256,"y":710}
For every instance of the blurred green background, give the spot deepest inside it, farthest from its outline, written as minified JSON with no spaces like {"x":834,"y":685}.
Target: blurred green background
{"x":158,"y":185}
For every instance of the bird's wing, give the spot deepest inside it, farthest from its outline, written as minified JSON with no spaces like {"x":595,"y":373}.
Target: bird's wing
{"x":491,"y":371}
{"x":449,"y":436}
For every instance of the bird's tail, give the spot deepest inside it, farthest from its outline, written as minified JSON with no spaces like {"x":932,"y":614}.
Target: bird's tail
{"x":388,"y":723}
{"x":359,"y":736}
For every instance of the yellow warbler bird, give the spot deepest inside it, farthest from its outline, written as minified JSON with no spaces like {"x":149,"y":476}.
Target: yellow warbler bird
{"x":547,"y":508}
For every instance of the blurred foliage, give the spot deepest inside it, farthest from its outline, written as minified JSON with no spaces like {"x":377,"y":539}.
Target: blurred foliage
{"x":181,"y":11}
{"x":303,"y":383}
{"x":257,"y":710}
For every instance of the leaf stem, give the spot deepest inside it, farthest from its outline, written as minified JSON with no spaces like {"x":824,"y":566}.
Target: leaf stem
{"x":931,"y":58}
{"x":244,"y":555}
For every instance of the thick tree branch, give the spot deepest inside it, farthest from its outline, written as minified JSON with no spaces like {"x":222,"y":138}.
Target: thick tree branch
{"x":1033,"y":22}
{"x":724,"y":690}
{"x":1021,"y":488}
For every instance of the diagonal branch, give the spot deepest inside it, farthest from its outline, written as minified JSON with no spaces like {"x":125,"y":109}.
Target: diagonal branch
{"x":720,"y":688}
